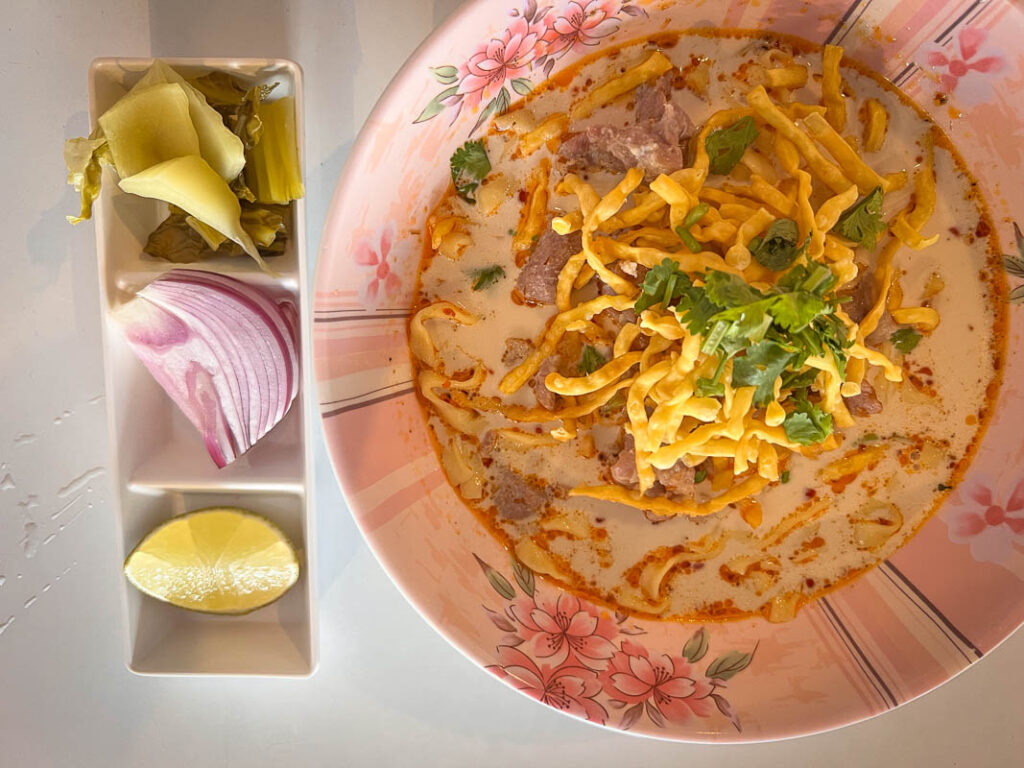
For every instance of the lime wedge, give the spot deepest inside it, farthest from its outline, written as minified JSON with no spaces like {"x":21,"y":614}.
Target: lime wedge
{"x":217,"y":560}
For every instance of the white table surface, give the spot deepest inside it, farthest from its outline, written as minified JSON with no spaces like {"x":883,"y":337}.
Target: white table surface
{"x":389,"y":691}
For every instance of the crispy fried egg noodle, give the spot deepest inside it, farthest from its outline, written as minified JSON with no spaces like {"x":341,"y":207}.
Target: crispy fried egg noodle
{"x":651,"y":378}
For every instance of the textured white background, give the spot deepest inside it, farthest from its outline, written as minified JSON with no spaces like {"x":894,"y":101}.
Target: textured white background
{"x":389,"y":690}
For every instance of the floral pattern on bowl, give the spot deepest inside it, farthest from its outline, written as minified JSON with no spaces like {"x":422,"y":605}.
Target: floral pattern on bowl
{"x":892,"y":635}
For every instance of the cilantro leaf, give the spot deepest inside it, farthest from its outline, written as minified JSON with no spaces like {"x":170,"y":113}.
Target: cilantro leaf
{"x":726,"y":146}
{"x":799,"y":380}
{"x":863,"y":222}
{"x":763,"y":363}
{"x":590,"y":360}
{"x":709,"y":388}
{"x":617,"y":403}
{"x":700,"y":476}
{"x":784,"y":477}
{"x":813,"y":277}
{"x":905,"y":339}
{"x":777,"y":249}
{"x":807,"y":423}
{"x":469,"y":165}
{"x":728,"y":290}
{"x":663,"y":284}
{"x":796,"y":310}
{"x":486,"y":277}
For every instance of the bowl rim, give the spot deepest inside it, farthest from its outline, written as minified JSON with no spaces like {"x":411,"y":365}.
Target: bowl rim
{"x":418,"y":60}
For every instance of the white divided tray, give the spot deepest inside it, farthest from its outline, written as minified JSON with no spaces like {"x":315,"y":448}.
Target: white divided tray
{"x":160,"y":466}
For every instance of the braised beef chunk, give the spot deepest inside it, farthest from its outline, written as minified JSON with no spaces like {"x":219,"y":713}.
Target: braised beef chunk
{"x":619,"y":149}
{"x":516,"y":350}
{"x":866,"y":403}
{"x":623,"y":470}
{"x":545,"y":397}
{"x":654,"y":106}
{"x":515,"y":497}
{"x":862,"y":297}
{"x":885,"y":328}
{"x":613,"y":320}
{"x":677,"y":479}
{"x":538,"y":278}
{"x":653,"y":142}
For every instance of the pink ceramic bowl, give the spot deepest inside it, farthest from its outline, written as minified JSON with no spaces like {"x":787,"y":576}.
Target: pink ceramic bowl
{"x":943,"y":601}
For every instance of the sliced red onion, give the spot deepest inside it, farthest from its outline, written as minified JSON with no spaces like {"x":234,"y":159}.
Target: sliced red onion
{"x":225,"y":351}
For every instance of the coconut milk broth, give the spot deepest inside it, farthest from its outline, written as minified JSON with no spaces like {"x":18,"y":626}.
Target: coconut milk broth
{"x":928,"y":426}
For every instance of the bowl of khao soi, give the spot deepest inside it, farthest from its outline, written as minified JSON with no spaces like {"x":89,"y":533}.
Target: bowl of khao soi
{"x":699,"y":359}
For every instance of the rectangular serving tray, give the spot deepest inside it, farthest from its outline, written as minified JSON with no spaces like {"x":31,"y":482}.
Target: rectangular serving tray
{"x":159,"y":465}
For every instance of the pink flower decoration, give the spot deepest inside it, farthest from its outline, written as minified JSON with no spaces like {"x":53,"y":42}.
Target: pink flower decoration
{"x":582,"y":23}
{"x":567,"y":688}
{"x":954,"y":68}
{"x":664,"y":683}
{"x":566,"y":628}
{"x":382,"y":279}
{"x":486,"y":71}
{"x":979,"y":519}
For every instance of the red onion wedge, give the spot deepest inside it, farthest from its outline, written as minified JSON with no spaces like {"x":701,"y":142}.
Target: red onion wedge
{"x":225,"y":351}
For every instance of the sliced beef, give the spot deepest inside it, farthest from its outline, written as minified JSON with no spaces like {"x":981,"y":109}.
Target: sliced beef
{"x":538,"y":279}
{"x":653,"y":142}
{"x":613,"y":320}
{"x":862,"y":297}
{"x":545,"y":397}
{"x":516,"y":350}
{"x":623,"y":470}
{"x":514,"y":496}
{"x":881,"y":334}
{"x":677,"y":480}
{"x":655,"y":108}
{"x":866,"y":403}
{"x":619,"y":149}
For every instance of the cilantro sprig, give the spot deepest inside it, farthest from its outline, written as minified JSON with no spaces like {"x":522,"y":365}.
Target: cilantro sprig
{"x":807,"y":423}
{"x":726,"y":146}
{"x":766,"y":334}
{"x":469,"y":165}
{"x":905,"y":339}
{"x":590,"y":360}
{"x":778,"y":248}
{"x":862,"y":223}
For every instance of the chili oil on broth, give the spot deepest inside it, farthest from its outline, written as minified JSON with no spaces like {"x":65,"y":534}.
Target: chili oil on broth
{"x":813,"y":534}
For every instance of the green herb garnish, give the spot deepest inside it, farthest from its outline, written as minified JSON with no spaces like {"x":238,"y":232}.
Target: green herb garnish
{"x":762,"y":364}
{"x":726,"y":146}
{"x":617,"y":403}
{"x":807,"y":423}
{"x":943,"y":487}
{"x":905,"y":339}
{"x":784,"y":477}
{"x":709,"y":388}
{"x":767,"y":335}
{"x":683,"y":230}
{"x":863,"y":222}
{"x":700,"y":476}
{"x":590,"y":360}
{"x":777,"y":249}
{"x":486,"y":277}
{"x":469,"y":166}
{"x":662,"y":284}
{"x":869,"y":437}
